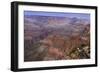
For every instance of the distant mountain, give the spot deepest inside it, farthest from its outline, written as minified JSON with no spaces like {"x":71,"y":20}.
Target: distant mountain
{"x":52,"y":20}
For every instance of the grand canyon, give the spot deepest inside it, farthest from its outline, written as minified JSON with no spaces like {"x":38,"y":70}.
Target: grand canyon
{"x":48,"y":38}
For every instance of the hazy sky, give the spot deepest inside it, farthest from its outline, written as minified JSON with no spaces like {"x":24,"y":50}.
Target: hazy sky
{"x":60,"y":14}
